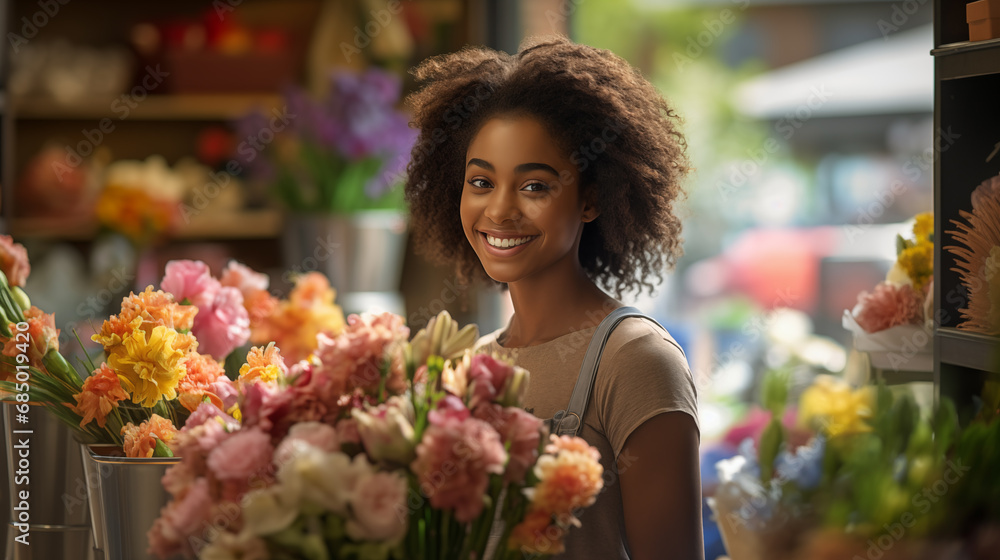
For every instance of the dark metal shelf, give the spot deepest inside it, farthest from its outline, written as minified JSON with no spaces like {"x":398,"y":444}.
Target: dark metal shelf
{"x":967,"y":59}
{"x":968,"y":349}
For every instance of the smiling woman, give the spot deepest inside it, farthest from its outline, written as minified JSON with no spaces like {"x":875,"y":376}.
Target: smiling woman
{"x":554,"y":172}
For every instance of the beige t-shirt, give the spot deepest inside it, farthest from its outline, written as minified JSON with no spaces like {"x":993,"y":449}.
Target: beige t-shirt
{"x":643,"y":373}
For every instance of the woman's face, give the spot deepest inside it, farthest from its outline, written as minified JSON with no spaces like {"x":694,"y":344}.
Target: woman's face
{"x":521,"y":206}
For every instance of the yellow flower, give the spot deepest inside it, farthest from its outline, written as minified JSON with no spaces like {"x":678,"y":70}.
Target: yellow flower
{"x":923,"y":228}
{"x":835,"y":407}
{"x":149,"y":370}
{"x":918,"y":262}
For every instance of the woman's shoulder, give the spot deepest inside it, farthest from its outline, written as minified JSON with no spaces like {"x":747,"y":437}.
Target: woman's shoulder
{"x":642,"y":337}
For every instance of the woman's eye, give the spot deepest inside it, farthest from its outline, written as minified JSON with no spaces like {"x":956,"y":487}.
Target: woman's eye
{"x":479,"y":183}
{"x":536,"y":187}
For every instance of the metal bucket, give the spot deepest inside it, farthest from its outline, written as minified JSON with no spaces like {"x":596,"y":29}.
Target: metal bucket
{"x":127,"y":495}
{"x":43,"y":465}
{"x":359,"y":253}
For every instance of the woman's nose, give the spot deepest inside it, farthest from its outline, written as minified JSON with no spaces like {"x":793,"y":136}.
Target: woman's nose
{"x":502,"y":206}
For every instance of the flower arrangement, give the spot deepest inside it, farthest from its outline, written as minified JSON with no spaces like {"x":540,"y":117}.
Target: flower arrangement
{"x":978,"y":262}
{"x":892,"y":322}
{"x":877,"y":479}
{"x":379,"y":448}
{"x":341,"y":154}
{"x":140,"y":200}
{"x":155,"y":369}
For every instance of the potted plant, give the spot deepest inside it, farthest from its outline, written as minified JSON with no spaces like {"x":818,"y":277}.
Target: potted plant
{"x":337,"y":164}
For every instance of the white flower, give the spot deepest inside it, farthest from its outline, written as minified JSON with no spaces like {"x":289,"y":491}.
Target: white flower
{"x":322,"y":478}
{"x":379,"y":507}
{"x":268,"y":511}
{"x":387,"y":431}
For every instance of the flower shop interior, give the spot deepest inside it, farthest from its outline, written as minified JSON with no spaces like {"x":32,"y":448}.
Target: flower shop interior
{"x":838,"y":299}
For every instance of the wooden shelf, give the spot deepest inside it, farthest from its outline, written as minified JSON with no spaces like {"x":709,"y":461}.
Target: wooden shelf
{"x":248,"y":224}
{"x":968,"y":349}
{"x":152,"y":108}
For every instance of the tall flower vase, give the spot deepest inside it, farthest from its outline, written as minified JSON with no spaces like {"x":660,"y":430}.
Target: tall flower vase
{"x":361,"y":253}
{"x":45,"y":487}
{"x":126,"y":497}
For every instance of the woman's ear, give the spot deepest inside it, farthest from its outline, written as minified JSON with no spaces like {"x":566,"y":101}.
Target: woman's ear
{"x":590,"y":210}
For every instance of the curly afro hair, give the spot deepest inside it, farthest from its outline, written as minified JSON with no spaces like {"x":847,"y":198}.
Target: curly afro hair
{"x":623,"y":137}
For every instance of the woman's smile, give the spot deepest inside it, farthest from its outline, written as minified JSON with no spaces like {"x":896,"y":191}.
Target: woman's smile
{"x":505,"y":245}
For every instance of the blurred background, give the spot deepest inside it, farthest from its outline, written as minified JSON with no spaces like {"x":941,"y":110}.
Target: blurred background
{"x":132,"y":133}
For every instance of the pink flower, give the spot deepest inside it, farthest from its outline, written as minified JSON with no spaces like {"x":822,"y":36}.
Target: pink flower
{"x":521,"y":433}
{"x":490,"y":380}
{"x":14,"y":261}
{"x":454,"y":462}
{"x":448,"y":407}
{"x":180,"y":519}
{"x":245,"y":454}
{"x":320,"y":436}
{"x":206,"y":411}
{"x":226,"y":390}
{"x":889,"y":306}
{"x":379,"y":507}
{"x":243,"y":278}
{"x":265,"y":405}
{"x":347,"y":429}
{"x":222,"y":324}
{"x":352,"y":359}
{"x":190,"y":280}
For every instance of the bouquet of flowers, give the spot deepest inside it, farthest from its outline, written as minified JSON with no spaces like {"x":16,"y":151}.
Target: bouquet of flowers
{"x":153,"y":373}
{"x":340,"y":154}
{"x":378,"y":448}
{"x":893,"y":322}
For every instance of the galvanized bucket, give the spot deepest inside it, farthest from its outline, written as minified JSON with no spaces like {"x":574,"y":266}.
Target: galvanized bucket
{"x":361,"y":253}
{"x":126,"y":498}
{"x":43,"y":465}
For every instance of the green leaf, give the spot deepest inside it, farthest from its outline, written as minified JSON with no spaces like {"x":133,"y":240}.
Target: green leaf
{"x":770,"y":445}
{"x":161,"y":449}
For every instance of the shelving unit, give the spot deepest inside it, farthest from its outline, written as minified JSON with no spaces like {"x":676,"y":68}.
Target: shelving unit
{"x":181,"y":107}
{"x":967,"y":150}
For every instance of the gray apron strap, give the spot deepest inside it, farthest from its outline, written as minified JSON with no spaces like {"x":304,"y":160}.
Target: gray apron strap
{"x":568,"y":422}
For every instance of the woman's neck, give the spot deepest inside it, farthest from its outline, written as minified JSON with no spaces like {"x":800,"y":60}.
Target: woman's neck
{"x":555,"y":304}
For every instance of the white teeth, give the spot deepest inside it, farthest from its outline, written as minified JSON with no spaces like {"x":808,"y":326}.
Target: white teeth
{"x":506,"y":243}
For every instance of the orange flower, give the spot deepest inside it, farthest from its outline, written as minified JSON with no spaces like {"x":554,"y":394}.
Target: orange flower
{"x":139,"y":440}
{"x":146,"y":310}
{"x":569,"y":479}
{"x":295,"y":323}
{"x":194,"y":386}
{"x":42,"y":336}
{"x":537,"y":535}
{"x":99,"y":395}
{"x":264,"y":364}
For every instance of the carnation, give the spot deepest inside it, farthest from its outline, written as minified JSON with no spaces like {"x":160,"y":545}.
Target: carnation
{"x":469,"y":449}
{"x":889,"y":306}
